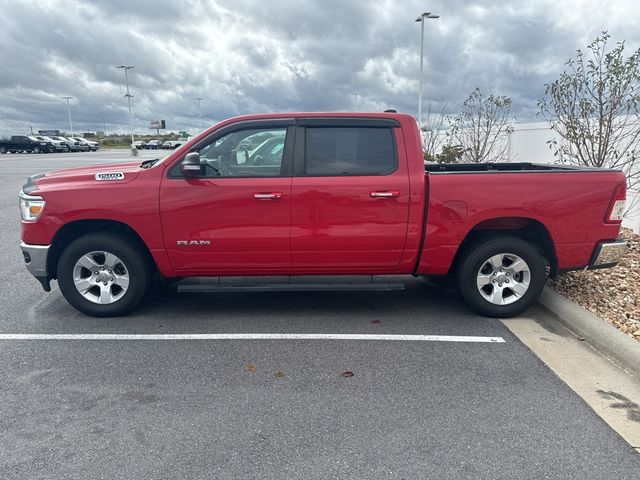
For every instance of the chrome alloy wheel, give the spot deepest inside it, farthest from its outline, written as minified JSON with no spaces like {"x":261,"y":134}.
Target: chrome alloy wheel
{"x":503,"y":279}
{"x":101,"y":277}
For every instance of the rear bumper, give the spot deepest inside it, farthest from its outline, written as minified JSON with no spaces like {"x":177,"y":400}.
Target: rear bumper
{"x":35,"y":259}
{"x":607,"y":254}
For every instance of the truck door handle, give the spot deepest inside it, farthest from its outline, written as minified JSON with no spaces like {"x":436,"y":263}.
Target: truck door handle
{"x":268,"y":196}
{"x":393,"y":194}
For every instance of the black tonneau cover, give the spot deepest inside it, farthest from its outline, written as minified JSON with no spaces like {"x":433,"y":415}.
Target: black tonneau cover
{"x":505,"y":167}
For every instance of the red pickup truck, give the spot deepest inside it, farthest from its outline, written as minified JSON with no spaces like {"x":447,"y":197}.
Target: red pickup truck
{"x":313,"y":194}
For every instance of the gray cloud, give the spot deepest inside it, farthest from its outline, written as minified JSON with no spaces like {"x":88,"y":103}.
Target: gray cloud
{"x":247,"y":56}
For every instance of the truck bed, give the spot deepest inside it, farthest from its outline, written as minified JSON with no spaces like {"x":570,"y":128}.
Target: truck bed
{"x":569,"y":204}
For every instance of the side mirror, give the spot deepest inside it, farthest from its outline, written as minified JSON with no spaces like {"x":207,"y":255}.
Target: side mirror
{"x":190,"y":166}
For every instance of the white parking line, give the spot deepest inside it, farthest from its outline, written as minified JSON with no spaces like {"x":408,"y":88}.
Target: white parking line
{"x":248,"y":336}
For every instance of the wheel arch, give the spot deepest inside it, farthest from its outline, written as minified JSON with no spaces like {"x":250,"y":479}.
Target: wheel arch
{"x":72,"y":230}
{"x":525,"y":228}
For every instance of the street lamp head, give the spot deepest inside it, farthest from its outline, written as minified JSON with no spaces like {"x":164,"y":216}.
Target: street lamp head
{"x":426,"y":15}
{"x":126,"y":67}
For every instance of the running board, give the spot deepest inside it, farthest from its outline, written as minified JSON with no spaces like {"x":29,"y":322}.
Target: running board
{"x":293,"y":287}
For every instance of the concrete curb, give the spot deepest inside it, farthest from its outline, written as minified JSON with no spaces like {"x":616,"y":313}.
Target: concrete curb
{"x":595,"y":331}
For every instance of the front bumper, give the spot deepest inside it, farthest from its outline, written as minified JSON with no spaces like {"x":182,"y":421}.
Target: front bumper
{"x":607,"y":254}
{"x":35,"y":259}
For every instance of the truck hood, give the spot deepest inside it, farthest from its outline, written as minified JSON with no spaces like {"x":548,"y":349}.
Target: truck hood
{"x":98,"y":174}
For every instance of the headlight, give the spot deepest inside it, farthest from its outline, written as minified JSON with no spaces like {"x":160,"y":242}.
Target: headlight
{"x":30,"y":207}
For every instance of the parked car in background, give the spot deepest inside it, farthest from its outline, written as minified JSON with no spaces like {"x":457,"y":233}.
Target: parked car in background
{"x":154,"y":144}
{"x":139,"y":144}
{"x":172,"y":144}
{"x":71,"y":145}
{"x":46,"y":146}
{"x":23,"y":143}
{"x":84,"y":147}
{"x":89,"y":144}
{"x":59,"y":145}
{"x":268,"y":152}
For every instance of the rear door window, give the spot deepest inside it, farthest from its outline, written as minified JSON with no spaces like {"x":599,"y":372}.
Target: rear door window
{"x":331,"y":151}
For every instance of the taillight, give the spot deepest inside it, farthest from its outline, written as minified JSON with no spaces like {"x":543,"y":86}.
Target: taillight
{"x":617,"y":205}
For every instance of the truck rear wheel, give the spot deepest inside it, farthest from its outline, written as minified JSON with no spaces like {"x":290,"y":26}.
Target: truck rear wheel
{"x":501,"y":277}
{"x":103,"y":275}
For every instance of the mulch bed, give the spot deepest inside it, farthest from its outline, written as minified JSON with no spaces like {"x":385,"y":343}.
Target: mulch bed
{"x":612,"y":294}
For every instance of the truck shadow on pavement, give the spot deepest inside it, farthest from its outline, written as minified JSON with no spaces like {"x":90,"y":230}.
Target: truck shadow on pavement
{"x":418,"y":309}
{"x":417,"y":299}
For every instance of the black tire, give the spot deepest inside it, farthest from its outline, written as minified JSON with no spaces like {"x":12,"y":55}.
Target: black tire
{"x":67,"y":148}
{"x":36,"y":150}
{"x":3,"y":150}
{"x":134,"y":260}
{"x":476,"y":258}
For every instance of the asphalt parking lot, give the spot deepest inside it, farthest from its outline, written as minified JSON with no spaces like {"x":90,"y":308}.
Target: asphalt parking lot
{"x":277,"y":408}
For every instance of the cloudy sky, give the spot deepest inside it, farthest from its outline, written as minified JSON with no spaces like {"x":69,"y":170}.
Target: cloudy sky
{"x":244,"y":56}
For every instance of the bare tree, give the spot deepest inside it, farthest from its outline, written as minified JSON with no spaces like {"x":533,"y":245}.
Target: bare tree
{"x":593,"y":106}
{"x":434,"y":132}
{"x":483,"y":128}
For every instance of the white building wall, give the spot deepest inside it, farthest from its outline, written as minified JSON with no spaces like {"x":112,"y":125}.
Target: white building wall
{"x":529,"y":143}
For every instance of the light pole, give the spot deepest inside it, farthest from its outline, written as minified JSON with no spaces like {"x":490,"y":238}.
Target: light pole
{"x":134,"y":151}
{"x":69,"y":113}
{"x":421,"y":19}
{"x":199,"y":99}
{"x":355,"y":101}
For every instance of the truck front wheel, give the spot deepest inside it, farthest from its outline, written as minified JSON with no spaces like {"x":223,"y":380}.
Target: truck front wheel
{"x":501,"y":277}
{"x":103,"y":274}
